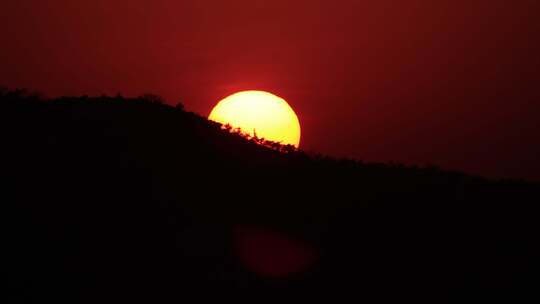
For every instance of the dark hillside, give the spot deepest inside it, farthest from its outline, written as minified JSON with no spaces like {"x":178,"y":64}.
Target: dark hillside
{"x":120,"y":200}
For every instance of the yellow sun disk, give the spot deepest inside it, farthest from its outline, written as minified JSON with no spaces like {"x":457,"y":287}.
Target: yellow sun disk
{"x":259,"y":112}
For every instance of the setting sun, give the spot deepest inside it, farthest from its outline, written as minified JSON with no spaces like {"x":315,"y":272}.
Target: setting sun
{"x":261,"y":113}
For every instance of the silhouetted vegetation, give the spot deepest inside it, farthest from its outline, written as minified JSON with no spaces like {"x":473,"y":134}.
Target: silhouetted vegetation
{"x":122,"y":200}
{"x":277,"y":146}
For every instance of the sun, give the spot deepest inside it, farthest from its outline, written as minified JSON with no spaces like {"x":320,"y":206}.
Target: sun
{"x":261,"y":113}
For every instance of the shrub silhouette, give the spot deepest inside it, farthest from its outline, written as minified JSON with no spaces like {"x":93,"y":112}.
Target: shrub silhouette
{"x":277,"y":146}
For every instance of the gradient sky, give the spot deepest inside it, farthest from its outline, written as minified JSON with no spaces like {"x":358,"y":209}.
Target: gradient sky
{"x":455,"y":83}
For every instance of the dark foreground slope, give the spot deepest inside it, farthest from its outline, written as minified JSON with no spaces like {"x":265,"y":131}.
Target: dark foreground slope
{"x":112,"y":200}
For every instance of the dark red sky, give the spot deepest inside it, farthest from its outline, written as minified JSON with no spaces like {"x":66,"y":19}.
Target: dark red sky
{"x":455,"y":83}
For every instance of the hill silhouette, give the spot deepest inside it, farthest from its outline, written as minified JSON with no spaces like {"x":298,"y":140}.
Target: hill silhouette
{"x":112,"y":199}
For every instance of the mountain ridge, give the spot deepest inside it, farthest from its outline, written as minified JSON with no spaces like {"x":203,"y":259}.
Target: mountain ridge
{"x":132,"y":199}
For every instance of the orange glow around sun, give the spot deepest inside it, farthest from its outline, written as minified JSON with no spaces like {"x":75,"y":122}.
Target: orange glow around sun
{"x":263,"y":113}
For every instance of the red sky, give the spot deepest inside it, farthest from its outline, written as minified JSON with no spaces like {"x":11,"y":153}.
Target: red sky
{"x":455,"y":83}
